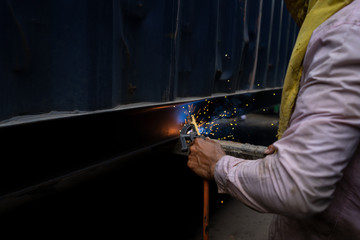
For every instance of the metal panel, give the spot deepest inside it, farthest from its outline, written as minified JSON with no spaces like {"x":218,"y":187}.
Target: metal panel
{"x":92,"y":55}
{"x":230,"y":45}
{"x":101,"y":79}
{"x":40,"y":152}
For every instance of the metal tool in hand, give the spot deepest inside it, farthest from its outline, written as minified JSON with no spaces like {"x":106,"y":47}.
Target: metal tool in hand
{"x":188,"y":132}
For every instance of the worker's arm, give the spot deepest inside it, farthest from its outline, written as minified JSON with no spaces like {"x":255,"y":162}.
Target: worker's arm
{"x":300,"y":178}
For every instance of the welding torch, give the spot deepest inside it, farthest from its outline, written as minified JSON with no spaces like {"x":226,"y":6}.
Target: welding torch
{"x":189,"y":132}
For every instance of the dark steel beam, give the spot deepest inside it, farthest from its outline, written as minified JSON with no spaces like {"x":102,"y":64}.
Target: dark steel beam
{"x":39,"y":152}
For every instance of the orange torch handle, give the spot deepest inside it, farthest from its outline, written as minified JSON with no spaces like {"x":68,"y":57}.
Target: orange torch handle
{"x":206,"y":195}
{"x":206,"y":211}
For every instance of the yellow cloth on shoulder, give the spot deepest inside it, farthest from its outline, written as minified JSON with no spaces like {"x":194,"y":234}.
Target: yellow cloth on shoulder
{"x":308,"y":14}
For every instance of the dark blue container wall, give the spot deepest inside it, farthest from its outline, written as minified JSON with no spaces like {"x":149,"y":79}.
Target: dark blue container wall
{"x":90,"y":55}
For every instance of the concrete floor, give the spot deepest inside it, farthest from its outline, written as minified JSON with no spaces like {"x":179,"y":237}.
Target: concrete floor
{"x":235,"y":221}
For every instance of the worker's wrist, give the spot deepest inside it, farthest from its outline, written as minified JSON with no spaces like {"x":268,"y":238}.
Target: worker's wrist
{"x":219,"y":175}
{"x":213,"y":165}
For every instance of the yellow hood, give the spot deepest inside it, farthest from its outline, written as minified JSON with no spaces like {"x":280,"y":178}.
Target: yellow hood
{"x":308,"y":14}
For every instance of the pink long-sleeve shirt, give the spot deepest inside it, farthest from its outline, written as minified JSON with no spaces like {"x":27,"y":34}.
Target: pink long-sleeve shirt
{"x":313,"y":179}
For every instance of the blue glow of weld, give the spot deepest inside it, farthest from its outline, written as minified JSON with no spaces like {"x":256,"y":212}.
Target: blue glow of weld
{"x":220,"y":117}
{"x":202,"y":130}
{"x":185,"y":110}
{"x":213,"y":116}
{"x":181,"y":117}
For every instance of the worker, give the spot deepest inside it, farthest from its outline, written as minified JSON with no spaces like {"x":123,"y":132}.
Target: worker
{"x":310,"y":178}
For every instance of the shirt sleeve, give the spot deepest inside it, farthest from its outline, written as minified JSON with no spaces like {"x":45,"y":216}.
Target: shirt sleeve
{"x":299,"y":180}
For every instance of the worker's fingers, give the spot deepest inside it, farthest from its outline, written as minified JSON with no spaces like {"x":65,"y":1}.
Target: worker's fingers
{"x":201,"y":169}
{"x":207,"y":145}
{"x":194,"y":160}
{"x":191,"y":161}
{"x":204,"y":154}
{"x":194,"y":147}
{"x":196,"y":141}
{"x":213,"y":141}
{"x":270,"y":149}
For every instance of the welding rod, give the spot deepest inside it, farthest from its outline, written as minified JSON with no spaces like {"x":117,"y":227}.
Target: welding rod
{"x":235,"y":149}
{"x":242,"y":150}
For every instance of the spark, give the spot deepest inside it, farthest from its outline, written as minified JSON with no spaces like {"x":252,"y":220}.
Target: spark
{"x":218,"y":118}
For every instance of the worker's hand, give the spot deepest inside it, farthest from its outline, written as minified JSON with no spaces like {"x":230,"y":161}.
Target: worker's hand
{"x":270,"y":149}
{"x":204,"y":154}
